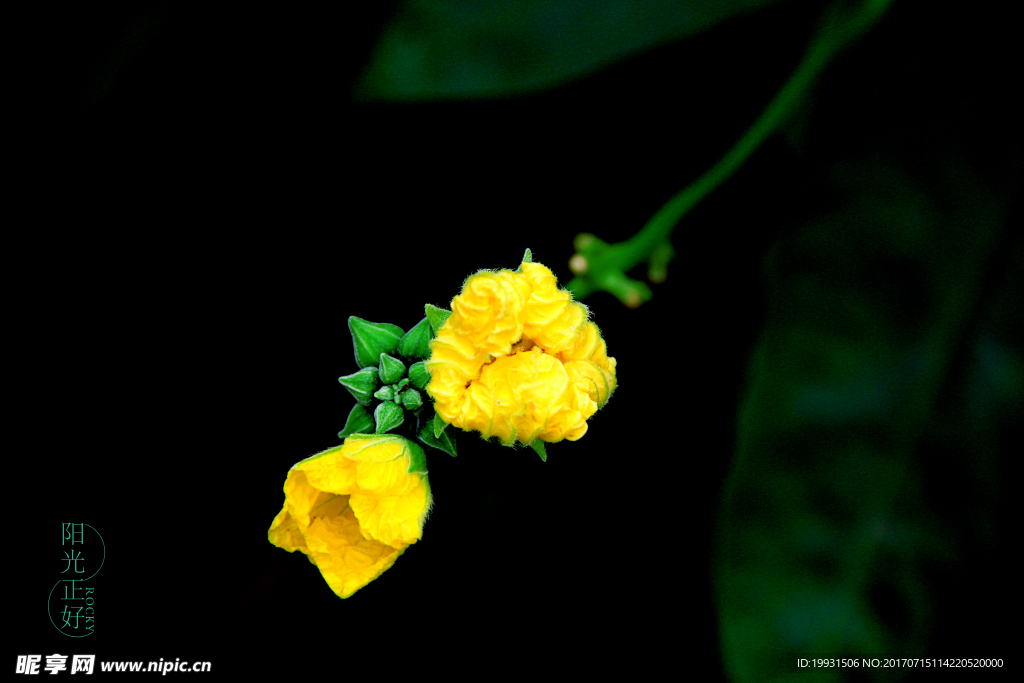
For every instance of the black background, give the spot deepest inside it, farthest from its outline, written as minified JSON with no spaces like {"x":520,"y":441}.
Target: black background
{"x":209,"y":208}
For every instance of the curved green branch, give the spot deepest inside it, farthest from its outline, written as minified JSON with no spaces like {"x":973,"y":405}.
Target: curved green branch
{"x":602,"y":267}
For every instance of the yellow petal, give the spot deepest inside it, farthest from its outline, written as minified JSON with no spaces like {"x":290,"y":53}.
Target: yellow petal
{"x":346,"y":559}
{"x":373,"y":447}
{"x":590,"y":376}
{"x":301,"y":497}
{"x":394,"y":520}
{"x":286,"y":533}
{"x":332,"y":472}
{"x":385,"y":478}
{"x":584,"y":343}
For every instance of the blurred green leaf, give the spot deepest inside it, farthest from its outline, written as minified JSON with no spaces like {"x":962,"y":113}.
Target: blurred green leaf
{"x":831,"y":530}
{"x":439,"y":49}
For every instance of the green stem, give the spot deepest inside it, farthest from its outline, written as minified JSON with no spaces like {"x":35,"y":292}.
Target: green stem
{"x":606,"y":264}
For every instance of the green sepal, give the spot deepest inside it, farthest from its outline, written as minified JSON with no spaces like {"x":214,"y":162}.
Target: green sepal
{"x":439,"y":425}
{"x":446,"y":442}
{"x":538,"y":446}
{"x":436,"y":315}
{"x":362,"y":384}
{"x":391,"y":369}
{"x":411,"y":399}
{"x":527,"y":258}
{"x":416,"y":342}
{"x":359,"y":421}
{"x":417,"y":458}
{"x":418,"y":375}
{"x":388,"y":416}
{"x":386,"y":393}
{"x":372,"y":339}
{"x":425,"y":433}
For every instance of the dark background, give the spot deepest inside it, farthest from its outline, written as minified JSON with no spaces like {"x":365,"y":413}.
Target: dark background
{"x":209,"y":206}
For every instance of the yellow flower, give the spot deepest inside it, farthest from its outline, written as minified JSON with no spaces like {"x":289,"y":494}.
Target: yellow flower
{"x":518,"y":360}
{"x":353,"y":509}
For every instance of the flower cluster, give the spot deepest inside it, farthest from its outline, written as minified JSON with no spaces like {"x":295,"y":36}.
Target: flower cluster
{"x":517,"y":359}
{"x":354,"y":509}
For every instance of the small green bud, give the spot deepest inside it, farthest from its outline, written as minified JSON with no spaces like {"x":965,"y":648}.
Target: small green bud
{"x":359,"y":421}
{"x":419,"y":375}
{"x":361,"y":384}
{"x":386,"y":393}
{"x":401,"y":384}
{"x":411,"y":399}
{"x":416,"y":342}
{"x":436,"y":315}
{"x":372,"y":339}
{"x":391,"y":369}
{"x":388,"y":416}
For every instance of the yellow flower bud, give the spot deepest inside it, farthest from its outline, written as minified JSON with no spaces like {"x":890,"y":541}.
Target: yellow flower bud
{"x":353,"y":509}
{"x":518,"y":360}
